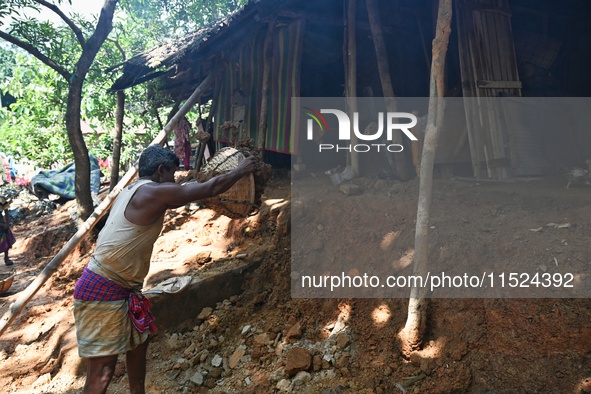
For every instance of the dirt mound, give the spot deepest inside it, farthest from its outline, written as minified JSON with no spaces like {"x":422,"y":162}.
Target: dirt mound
{"x":263,"y":340}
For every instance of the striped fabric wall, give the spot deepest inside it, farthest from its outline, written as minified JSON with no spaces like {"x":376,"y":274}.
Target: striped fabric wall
{"x":242,"y":79}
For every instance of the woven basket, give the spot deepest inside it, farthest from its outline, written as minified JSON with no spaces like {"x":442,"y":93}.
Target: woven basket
{"x":238,"y":201}
{"x":6,"y":282}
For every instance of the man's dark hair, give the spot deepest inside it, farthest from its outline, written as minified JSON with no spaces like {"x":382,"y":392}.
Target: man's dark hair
{"x":154,"y":156}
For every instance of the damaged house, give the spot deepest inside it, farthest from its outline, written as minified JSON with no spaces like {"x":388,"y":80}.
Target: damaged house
{"x":516,"y":74}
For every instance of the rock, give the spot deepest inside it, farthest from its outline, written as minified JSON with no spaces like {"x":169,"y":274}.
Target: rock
{"x":183,"y":364}
{"x":245,"y":329}
{"x":190,"y":351}
{"x":173,"y":343}
{"x":205,"y":313}
{"x":216,"y":361}
{"x":235,"y":357}
{"x":261,"y":339}
{"x":342,"y":361}
{"x":279,"y":349}
{"x":350,"y":189}
{"x":297,"y":359}
{"x":210,"y":383}
{"x":215,"y":373}
{"x":295,"y":332}
{"x":301,"y":378}
{"x":427,"y":365}
{"x":283,"y":385}
{"x":345,"y":372}
{"x":197,"y":378}
{"x":317,"y":363}
{"x":343,"y":340}
{"x":42,"y":380}
{"x":256,"y":353}
{"x":259,"y":299}
{"x":415,"y":359}
{"x":200,"y":258}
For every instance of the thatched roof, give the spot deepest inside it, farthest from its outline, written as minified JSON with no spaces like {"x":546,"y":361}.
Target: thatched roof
{"x":176,"y":61}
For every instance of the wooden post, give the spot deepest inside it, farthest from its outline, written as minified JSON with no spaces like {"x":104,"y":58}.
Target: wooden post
{"x":264,"y":114}
{"x":416,"y":322}
{"x":384,"y":71}
{"x":351,"y":76}
{"x":98,"y":213}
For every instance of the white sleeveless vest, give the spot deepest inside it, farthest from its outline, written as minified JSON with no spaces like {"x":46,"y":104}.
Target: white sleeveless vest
{"x":123,"y":249}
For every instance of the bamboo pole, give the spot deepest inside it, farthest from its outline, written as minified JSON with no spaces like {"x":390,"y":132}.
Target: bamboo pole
{"x":98,"y":213}
{"x":384,"y":70}
{"x":351,"y":76}
{"x":264,"y":114}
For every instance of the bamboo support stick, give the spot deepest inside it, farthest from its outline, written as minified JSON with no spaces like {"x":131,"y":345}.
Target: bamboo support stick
{"x":266,"y":88}
{"x":24,"y":298}
{"x":351,"y":75}
{"x":387,"y":89}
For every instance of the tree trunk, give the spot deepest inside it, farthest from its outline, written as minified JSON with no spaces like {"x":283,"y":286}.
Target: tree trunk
{"x":81,"y":160}
{"x":79,"y":149}
{"x":119,"y":112}
{"x":411,"y":335}
{"x":75,"y":81}
{"x":384,"y":70}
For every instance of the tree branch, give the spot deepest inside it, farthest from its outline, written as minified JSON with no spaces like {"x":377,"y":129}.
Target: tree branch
{"x":35,"y":52}
{"x":101,"y":32}
{"x":68,"y":21}
{"x":119,"y":47}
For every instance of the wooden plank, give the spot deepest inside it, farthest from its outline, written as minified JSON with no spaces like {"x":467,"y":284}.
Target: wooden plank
{"x":466,"y":84}
{"x":498,"y":84}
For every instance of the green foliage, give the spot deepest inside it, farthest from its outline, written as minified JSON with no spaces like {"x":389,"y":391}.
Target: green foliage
{"x":173,"y":18}
{"x":34,"y":127}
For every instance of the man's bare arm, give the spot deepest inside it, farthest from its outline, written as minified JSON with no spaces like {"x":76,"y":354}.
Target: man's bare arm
{"x":152,"y":200}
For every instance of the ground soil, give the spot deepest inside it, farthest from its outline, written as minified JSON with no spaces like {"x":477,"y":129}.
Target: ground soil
{"x":261,"y":340}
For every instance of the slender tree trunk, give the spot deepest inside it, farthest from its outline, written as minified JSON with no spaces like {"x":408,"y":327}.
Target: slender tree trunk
{"x":119,"y":113}
{"x":412,"y":334}
{"x":81,"y":159}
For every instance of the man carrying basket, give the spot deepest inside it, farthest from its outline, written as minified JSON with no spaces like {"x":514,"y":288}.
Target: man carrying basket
{"x":112,"y":316}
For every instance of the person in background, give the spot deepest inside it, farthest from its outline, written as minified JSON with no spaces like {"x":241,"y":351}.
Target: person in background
{"x":182,"y":142}
{"x":6,"y":236}
{"x":5,"y":170}
{"x":112,"y":316}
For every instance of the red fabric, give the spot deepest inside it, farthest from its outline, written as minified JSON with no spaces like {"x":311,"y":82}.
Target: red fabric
{"x":141,"y":316}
